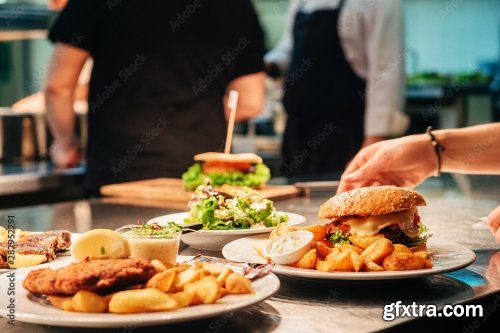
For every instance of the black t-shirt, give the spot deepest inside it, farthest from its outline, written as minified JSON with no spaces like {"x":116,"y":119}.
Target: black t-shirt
{"x":161,"y":68}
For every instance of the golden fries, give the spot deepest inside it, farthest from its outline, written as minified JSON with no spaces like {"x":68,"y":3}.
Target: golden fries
{"x":365,"y":253}
{"x":170,"y":289}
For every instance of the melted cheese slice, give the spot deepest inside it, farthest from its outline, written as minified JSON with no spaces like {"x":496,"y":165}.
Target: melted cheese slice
{"x":371,"y":225}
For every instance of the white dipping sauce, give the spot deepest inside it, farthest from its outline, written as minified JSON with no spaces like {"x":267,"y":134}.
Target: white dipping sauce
{"x":163,"y":249}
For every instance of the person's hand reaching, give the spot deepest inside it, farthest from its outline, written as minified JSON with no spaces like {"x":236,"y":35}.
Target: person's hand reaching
{"x":65,"y":155}
{"x":405,"y":161}
{"x":494,"y":223}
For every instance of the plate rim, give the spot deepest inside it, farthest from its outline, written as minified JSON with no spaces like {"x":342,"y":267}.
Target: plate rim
{"x":110,"y":320}
{"x":363,"y":276}
{"x":301,"y":219}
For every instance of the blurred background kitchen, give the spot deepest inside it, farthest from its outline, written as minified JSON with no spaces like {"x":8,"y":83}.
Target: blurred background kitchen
{"x":452,"y":59}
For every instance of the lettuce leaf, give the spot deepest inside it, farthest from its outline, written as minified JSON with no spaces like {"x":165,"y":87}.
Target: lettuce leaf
{"x":216,"y":212}
{"x":195,"y":177}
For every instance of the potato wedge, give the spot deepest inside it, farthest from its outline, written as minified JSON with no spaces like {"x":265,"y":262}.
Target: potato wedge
{"x":356,"y":261}
{"x":27,"y":260}
{"x":160,"y":267}
{"x":67,"y":305}
{"x":238,"y":284}
{"x":324,"y":265}
{"x":354,"y":248}
{"x":282,"y":229}
{"x":162,"y":281}
{"x":308,"y":261}
{"x":185,"y":277}
{"x":341,"y":261}
{"x":87,"y":301}
{"x":322,"y":249}
{"x":372,"y":267}
{"x":378,"y":250}
{"x":183,"y":298}
{"x":141,"y":300}
{"x":404,"y":261}
{"x":57,"y":301}
{"x":318,"y":230}
{"x":214,"y":269}
{"x":205,"y":291}
{"x":400,"y":248}
{"x":364,"y":241}
{"x":221,"y":279}
{"x":423,"y":254}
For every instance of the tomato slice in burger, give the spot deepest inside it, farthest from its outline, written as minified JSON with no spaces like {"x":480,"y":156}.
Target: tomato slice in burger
{"x":223,"y":166}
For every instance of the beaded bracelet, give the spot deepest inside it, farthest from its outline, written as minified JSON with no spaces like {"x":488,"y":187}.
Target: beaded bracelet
{"x":438,"y":149}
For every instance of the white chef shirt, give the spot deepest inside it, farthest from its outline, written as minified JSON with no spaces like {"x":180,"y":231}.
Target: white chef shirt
{"x":371,"y":34}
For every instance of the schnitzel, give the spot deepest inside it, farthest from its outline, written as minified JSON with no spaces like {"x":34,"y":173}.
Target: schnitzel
{"x":100,"y":275}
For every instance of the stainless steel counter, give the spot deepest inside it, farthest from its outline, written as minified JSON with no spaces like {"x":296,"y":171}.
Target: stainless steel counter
{"x":313,"y":306}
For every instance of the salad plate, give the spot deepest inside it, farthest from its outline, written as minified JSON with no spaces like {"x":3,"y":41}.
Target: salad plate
{"x":214,"y":240}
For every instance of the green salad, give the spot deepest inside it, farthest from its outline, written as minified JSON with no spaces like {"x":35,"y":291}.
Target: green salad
{"x":232,"y":208}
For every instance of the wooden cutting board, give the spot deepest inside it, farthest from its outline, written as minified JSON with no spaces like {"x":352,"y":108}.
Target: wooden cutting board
{"x":170,"y":192}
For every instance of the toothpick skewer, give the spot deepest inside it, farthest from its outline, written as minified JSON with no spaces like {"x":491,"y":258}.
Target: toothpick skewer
{"x":232,"y":103}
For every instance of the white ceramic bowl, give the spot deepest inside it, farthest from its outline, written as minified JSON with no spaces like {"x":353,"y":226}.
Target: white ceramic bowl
{"x":290,"y":247}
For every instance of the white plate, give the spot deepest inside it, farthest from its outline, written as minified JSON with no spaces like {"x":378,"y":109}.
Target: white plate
{"x":30,"y":311}
{"x":216,"y":239}
{"x":447,"y":256}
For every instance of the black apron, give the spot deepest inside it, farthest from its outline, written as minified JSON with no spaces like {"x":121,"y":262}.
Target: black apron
{"x":324,"y":99}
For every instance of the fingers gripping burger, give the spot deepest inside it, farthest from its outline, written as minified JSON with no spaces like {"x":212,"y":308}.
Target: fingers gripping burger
{"x":367,"y":211}
{"x":245,"y":169}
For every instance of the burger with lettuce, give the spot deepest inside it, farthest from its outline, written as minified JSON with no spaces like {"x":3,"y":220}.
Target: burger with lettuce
{"x":216,"y":169}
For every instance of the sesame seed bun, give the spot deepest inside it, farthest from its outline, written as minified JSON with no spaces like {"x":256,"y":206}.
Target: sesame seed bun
{"x":373,"y":200}
{"x":235,"y":158}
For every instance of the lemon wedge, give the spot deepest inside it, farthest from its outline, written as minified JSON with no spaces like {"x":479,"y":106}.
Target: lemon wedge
{"x":100,"y":244}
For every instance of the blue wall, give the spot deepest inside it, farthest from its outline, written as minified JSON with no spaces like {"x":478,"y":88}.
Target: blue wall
{"x":451,"y":35}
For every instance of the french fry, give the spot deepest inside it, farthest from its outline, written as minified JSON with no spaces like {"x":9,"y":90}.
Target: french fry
{"x":183,"y":298}
{"x":400,"y":248}
{"x":356,"y":261}
{"x":423,"y":254}
{"x":205,"y":291}
{"x":324,"y":265}
{"x":162,"y":281}
{"x":308,"y":261}
{"x":282,"y":229}
{"x":372,"y":267}
{"x":378,"y":250}
{"x":238,"y":284}
{"x":404,"y":261}
{"x":341,"y":261}
{"x":27,"y":260}
{"x":221,"y":279}
{"x":67,"y":305}
{"x":189,"y":275}
{"x":87,"y":301}
{"x":214,"y":269}
{"x":57,"y":301}
{"x":318,"y":230}
{"x":322,"y":249}
{"x":364,"y":241}
{"x":141,"y":300}
{"x":354,"y":248}
{"x":160,"y":267}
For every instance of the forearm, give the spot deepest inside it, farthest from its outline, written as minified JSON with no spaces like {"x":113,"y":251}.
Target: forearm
{"x":473,"y":149}
{"x":60,"y":115}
